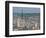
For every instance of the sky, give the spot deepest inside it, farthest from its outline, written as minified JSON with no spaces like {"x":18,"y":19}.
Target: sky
{"x":26,"y":10}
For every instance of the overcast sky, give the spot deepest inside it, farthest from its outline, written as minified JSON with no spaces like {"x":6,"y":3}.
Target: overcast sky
{"x":25,"y":10}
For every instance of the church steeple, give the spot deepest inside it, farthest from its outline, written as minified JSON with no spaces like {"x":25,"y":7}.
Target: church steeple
{"x":22,"y":14}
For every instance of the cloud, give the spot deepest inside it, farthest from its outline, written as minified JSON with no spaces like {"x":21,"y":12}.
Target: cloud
{"x":25,"y":10}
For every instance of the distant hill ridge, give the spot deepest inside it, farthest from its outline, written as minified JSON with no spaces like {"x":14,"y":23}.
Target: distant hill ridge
{"x":26,"y":14}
